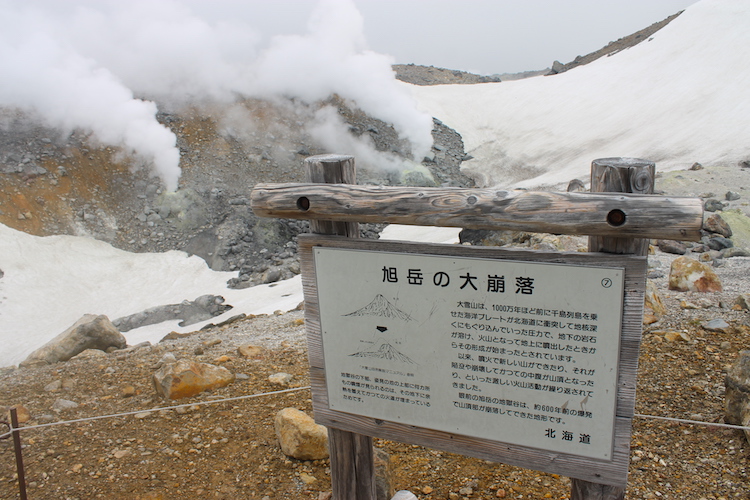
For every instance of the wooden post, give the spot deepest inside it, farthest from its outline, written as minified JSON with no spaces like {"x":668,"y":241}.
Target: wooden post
{"x":615,"y":175}
{"x":352,"y":462}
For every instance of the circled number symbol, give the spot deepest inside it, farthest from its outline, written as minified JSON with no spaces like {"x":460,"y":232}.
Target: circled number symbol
{"x":606,"y":282}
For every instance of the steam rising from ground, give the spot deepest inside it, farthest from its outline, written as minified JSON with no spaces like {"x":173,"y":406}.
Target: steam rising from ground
{"x":85,"y":64}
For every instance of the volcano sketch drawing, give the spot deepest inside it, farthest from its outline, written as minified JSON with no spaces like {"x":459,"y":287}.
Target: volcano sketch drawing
{"x":382,"y":349}
{"x":381,"y":307}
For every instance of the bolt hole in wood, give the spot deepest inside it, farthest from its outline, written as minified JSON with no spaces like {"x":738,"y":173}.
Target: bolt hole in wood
{"x":303,"y":203}
{"x":616,"y":218}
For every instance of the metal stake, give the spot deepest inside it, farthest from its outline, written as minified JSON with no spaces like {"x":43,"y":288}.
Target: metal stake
{"x":19,"y":455}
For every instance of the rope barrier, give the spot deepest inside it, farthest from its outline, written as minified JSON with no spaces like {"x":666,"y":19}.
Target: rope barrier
{"x":252,"y":396}
{"x":151,"y":410}
{"x":695,"y":422}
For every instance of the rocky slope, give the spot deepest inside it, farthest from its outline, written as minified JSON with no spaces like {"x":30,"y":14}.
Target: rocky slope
{"x":58,"y":183}
{"x":612,"y":47}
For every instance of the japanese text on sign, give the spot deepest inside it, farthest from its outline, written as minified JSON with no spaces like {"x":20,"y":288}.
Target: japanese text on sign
{"x":489,"y":348}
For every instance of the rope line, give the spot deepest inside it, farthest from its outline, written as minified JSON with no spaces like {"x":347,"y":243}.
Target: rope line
{"x":252,"y":396}
{"x":151,"y":410}
{"x":696,"y":422}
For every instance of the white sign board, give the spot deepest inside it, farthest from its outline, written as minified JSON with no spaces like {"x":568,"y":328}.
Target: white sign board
{"x":518,"y":352}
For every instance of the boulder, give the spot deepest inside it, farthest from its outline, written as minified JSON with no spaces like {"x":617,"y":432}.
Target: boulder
{"x":690,"y":275}
{"x":714,"y":223}
{"x":185,"y":378}
{"x":299,"y":436}
{"x":190,"y":312}
{"x":89,"y":332}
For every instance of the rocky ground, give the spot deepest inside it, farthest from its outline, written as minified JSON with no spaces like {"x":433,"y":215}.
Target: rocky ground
{"x":229,"y":449}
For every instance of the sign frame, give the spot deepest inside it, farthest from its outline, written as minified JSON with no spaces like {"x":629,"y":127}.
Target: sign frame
{"x":612,"y":472}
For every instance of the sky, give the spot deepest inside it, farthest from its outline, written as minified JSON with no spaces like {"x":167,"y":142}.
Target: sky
{"x":503,"y":36}
{"x":481,"y":36}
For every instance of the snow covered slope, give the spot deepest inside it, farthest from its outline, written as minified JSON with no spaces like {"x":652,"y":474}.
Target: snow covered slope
{"x":681,"y":97}
{"x":49,"y":283}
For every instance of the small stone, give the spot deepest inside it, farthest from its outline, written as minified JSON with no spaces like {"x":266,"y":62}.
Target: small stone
{"x":404,"y":495}
{"x":22,"y":413}
{"x":64,"y":404}
{"x":671,"y":246}
{"x":654,"y":307}
{"x":128,"y":391}
{"x":466,"y":491}
{"x":281,"y":379}
{"x":307,"y":478}
{"x":501,"y":493}
{"x":675,"y":336}
{"x":713,"y":205}
{"x":427,"y":490}
{"x":250,"y":351}
{"x":730,"y":252}
{"x":743,"y":301}
{"x":732,"y":196}
{"x":53,"y":386}
{"x":121,"y":453}
{"x":719,"y":243}
{"x":77,"y":468}
{"x":684,"y":304}
{"x":696,"y":166}
{"x":142,"y":415}
{"x":725,"y":346}
{"x":222,"y":359}
{"x":717,"y":325}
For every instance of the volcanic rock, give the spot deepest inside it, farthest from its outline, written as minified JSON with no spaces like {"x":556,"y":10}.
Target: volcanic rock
{"x":188,"y":378}
{"x":690,"y":275}
{"x":299,"y":436}
{"x":89,"y":332}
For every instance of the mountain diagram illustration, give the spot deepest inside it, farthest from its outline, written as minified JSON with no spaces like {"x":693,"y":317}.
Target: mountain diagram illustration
{"x":381,"y":349}
{"x":381,"y":307}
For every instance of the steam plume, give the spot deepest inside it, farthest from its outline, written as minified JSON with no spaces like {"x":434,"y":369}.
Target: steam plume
{"x":82,"y":64}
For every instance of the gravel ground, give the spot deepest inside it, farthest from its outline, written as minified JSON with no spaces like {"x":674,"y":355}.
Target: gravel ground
{"x":229,"y":450}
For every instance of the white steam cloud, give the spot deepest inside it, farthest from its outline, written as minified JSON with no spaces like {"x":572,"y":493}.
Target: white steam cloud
{"x":82,"y":64}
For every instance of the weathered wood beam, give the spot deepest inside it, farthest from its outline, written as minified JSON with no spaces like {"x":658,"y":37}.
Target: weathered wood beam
{"x":594,"y":214}
{"x":617,"y":175}
{"x":352,"y":460}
